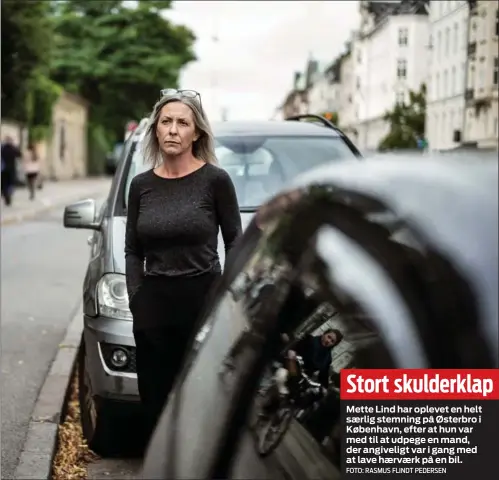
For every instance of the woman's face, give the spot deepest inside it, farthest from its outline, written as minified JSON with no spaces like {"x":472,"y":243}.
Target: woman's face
{"x":176,"y":129}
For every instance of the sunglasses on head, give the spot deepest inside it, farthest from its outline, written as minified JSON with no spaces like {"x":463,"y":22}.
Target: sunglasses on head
{"x":183,"y":93}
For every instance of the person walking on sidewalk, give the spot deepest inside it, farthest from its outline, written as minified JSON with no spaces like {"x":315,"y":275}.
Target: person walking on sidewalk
{"x":10,"y":154}
{"x":31,"y":166}
{"x":175,"y":210}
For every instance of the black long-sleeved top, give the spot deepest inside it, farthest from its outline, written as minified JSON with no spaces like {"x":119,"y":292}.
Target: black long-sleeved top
{"x":172,"y":224}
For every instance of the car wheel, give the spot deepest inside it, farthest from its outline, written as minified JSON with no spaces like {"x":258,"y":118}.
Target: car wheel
{"x":96,"y":418}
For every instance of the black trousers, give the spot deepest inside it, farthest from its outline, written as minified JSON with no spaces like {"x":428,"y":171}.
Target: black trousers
{"x":165,"y":315}
{"x":31,"y":181}
{"x":160,"y":355}
{"x":7,"y":180}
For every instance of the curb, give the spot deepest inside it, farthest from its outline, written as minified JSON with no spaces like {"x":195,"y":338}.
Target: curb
{"x":30,"y":214}
{"x":35,"y":461}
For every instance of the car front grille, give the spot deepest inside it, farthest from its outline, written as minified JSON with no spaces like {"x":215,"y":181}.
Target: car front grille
{"x":107,"y":351}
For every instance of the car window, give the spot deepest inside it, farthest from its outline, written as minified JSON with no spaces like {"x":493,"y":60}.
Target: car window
{"x":261,"y":166}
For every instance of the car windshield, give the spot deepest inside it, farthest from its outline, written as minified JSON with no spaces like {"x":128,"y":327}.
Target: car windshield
{"x":261,"y":166}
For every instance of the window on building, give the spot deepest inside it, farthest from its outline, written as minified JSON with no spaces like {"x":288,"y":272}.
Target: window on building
{"x":400,"y":97}
{"x":403,"y":36}
{"x":455,"y":42}
{"x":447,"y":41}
{"x":437,"y":86}
{"x":495,"y":79}
{"x":358,"y":83}
{"x":464,"y":34}
{"x":402,"y":68}
{"x":439,"y":45}
{"x":481,"y":77}
{"x":445,"y":84}
{"x":451,"y":122}
{"x":453,"y":81}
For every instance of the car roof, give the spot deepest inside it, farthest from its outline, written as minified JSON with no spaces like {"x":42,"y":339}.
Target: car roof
{"x":271,"y":127}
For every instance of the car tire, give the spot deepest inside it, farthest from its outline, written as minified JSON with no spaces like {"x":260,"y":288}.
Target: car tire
{"x":97,"y":420}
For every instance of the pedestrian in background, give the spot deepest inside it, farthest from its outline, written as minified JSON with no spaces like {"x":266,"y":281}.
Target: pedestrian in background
{"x":175,"y":210}
{"x":10,"y":155}
{"x":31,"y":164}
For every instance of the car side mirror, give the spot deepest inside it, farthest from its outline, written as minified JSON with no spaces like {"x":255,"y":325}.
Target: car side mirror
{"x":81,"y":215}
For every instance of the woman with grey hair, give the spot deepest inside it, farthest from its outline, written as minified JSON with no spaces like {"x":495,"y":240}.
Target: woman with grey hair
{"x":175,"y":211}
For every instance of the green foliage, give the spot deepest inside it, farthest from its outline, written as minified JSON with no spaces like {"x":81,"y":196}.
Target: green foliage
{"x":117,"y":57}
{"x":26,"y":45}
{"x":43,"y":93}
{"x":99,"y":144}
{"x":407,"y":122}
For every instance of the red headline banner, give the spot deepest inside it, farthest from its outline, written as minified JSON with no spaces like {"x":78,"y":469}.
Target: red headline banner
{"x":419,"y":384}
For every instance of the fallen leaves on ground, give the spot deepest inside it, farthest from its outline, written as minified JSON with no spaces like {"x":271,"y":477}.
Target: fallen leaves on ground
{"x":73,"y":454}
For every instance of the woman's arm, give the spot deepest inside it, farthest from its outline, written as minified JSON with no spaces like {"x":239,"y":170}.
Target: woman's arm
{"x":227,"y":210}
{"x":133,"y":249}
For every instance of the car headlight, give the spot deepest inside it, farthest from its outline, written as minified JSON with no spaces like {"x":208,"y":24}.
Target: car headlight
{"x":112,"y":297}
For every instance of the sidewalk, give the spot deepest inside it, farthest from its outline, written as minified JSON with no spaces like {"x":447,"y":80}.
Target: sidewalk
{"x":53,"y":194}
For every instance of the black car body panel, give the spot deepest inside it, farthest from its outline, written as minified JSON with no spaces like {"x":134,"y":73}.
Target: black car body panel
{"x":421,"y":221}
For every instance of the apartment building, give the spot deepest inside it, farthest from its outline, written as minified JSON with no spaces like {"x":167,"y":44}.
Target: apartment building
{"x":297,"y":100}
{"x":391,"y":58}
{"x":346,"y":94}
{"x":323,"y":94}
{"x":481,"y":94}
{"x":447,"y":73}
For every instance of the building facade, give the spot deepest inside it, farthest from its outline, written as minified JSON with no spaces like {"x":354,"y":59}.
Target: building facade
{"x":481,"y":95}
{"x":323,"y":94}
{"x":64,"y":155}
{"x":347,"y":94}
{"x":390,"y":59}
{"x":447,"y":74}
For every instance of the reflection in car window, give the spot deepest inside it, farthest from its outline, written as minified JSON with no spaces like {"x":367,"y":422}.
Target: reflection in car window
{"x":296,"y":412}
{"x":261,"y":166}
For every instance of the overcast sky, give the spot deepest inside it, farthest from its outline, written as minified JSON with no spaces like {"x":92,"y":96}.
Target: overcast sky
{"x":249,"y":70}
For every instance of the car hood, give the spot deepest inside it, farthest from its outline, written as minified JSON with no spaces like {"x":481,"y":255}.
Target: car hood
{"x":118,"y":226}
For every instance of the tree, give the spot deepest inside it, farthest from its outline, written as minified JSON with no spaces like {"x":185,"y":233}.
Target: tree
{"x":26,"y":48}
{"x":118,"y":57}
{"x":407,"y":122}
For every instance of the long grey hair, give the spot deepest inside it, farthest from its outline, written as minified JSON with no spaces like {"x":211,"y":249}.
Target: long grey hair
{"x":203,"y":148}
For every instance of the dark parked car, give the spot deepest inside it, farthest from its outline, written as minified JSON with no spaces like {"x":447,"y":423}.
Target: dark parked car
{"x":401,"y":257}
{"x":261,"y":158}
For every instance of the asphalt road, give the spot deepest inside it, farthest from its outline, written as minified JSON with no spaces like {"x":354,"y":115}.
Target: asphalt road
{"x":42,"y":268}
